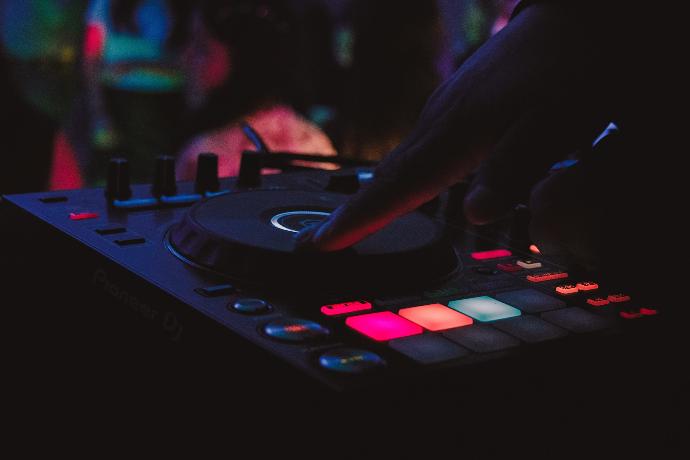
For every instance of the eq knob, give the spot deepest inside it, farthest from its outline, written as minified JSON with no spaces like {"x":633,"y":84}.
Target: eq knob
{"x":117,"y":187}
{"x":164,"y":183}
{"x":206,"y":173}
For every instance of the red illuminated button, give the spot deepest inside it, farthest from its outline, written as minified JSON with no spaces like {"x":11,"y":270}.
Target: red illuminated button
{"x":587,"y":286}
{"x":509,"y":267}
{"x":345,"y":307}
{"x":383,"y":326}
{"x":649,"y":311}
{"x":550,"y":276}
{"x":435,"y":317}
{"x":494,"y":254}
{"x":534,"y":249}
{"x":83,"y":215}
{"x":567,"y":289}
{"x":618,"y":298}
{"x":631,"y":314}
{"x":529,"y":263}
{"x":598,"y":301}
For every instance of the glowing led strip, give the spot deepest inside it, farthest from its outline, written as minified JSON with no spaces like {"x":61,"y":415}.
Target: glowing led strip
{"x":275,"y":219}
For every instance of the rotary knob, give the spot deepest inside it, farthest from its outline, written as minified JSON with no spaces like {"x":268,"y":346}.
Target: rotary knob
{"x":117,"y":187}
{"x":164,"y":183}
{"x":206,"y":173}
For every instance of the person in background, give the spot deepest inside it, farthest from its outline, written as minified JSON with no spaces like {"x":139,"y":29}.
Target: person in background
{"x":371,"y":65}
{"x":396,"y":62}
{"x":39,"y":50}
{"x":243,"y":66}
{"x":133,"y":90}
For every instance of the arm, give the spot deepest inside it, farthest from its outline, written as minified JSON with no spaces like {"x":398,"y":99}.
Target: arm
{"x":532,"y":93}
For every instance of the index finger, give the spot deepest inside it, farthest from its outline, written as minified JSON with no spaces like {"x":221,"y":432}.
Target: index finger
{"x":409,"y":177}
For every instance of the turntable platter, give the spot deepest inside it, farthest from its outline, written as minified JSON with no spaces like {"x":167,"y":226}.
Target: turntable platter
{"x":249,"y":236}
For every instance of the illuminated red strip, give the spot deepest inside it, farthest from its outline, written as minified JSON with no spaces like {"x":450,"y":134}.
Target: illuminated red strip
{"x":649,"y":311}
{"x":345,"y":307}
{"x":618,"y":298}
{"x":494,"y":254}
{"x":630,"y":314}
{"x":83,"y":215}
{"x":587,"y":286}
{"x":598,"y":301}
{"x":538,"y":278}
{"x":567,"y":289}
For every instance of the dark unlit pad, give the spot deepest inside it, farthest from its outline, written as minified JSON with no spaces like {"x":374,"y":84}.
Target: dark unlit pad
{"x":576,"y":320}
{"x":428,"y":348}
{"x":531,"y":300}
{"x":530,"y":329}
{"x":482,"y":338}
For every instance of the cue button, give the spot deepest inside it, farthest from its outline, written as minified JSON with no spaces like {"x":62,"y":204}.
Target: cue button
{"x":295,"y":330}
{"x":351,"y":361}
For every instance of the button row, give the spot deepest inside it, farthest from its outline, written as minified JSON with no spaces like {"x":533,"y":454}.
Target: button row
{"x":570,"y":289}
{"x":612,"y":298}
{"x":497,"y":336}
{"x":638,"y":313}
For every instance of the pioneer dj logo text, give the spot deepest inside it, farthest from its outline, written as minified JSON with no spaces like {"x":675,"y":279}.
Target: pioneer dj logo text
{"x":168,"y":319}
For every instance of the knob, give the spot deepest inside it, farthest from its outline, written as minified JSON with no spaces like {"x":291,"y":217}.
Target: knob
{"x":343,"y":183}
{"x":164,"y":181}
{"x":117,"y":187}
{"x":206,"y":173}
{"x":250,"y":169}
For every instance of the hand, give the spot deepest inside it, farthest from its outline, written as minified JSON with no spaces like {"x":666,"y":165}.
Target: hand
{"x":533,"y":93}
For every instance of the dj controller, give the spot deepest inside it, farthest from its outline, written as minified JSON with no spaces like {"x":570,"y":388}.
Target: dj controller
{"x":429,"y":297}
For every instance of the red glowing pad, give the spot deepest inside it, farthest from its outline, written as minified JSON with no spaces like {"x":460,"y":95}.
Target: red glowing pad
{"x":618,"y":298}
{"x":541,"y":277}
{"x":83,"y":215}
{"x":435,"y":317}
{"x":383,"y":326}
{"x":598,"y":301}
{"x":587,"y":286}
{"x":495,"y":254}
{"x":345,"y":307}
{"x":567,"y":289}
{"x":649,"y":311}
